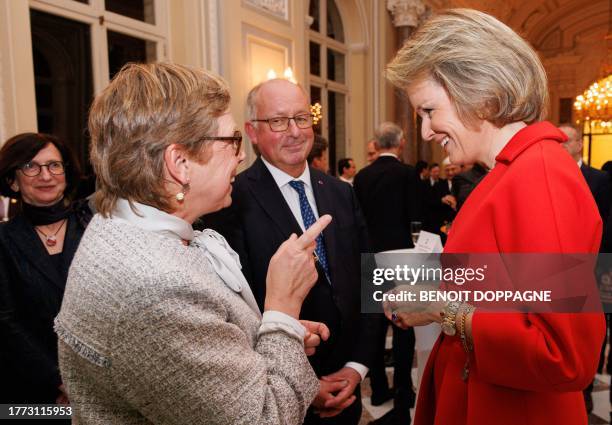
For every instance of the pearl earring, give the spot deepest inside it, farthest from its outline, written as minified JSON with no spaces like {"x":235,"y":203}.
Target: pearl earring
{"x":181,"y":195}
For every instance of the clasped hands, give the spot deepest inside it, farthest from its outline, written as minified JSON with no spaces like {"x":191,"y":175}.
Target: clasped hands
{"x":336,"y":392}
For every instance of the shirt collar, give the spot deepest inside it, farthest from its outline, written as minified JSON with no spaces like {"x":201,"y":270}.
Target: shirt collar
{"x":580,"y":162}
{"x":281,"y":178}
{"x":153,"y":220}
{"x":388,"y":154}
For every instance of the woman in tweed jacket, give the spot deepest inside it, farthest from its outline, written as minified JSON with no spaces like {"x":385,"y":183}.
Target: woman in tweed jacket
{"x":158,"y":325}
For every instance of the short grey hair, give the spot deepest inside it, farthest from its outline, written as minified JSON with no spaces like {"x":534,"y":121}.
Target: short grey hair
{"x":388,"y":135}
{"x":576,"y":128}
{"x":252,"y":98}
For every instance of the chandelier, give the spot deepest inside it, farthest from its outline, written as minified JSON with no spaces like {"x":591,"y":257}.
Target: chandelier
{"x":595,"y":105}
{"x":315,"y":110}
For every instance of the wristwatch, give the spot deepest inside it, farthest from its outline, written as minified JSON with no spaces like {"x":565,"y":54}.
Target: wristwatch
{"x":450,"y":314}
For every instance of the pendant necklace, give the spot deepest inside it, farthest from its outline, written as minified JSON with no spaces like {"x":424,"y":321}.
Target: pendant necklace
{"x":51,"y":240}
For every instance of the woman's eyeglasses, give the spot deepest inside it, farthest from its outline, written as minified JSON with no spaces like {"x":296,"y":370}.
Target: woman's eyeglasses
{"x":32,"y":169}
{"x":236,"y":140}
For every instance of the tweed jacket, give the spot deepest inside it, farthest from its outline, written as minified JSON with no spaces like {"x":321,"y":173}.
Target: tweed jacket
{"x":149,"y":334}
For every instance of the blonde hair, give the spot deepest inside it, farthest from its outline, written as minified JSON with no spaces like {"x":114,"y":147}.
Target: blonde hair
{"x":144,"y":109}
{"x":489,"y":72}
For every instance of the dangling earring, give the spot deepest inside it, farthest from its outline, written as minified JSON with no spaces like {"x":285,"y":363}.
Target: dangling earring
{"x":181,"y":195}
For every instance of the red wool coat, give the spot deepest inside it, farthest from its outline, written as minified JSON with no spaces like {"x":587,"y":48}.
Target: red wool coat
{"x":526,"y":369}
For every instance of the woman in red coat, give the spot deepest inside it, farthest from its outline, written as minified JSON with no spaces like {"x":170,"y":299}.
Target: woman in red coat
{"x":481,"y":92}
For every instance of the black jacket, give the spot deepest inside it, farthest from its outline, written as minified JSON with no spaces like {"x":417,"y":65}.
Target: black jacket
{"x":259,"y":221}
{"x":388,"y":193}
{"x":31,"y":292}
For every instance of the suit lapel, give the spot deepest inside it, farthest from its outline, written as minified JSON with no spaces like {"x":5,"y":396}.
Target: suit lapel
{"x":271,"y":200}
{"x":24,"y":237}
{"x":325,"y":203}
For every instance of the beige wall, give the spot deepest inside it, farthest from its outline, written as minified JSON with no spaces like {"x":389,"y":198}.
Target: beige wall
{"x":17,"y":98}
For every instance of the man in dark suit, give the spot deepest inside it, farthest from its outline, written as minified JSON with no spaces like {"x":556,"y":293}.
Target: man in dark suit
{"x":388,"y":193}
{"x":466,"y":181}
{"x":599,"y":183}
{"x":280,"y":195}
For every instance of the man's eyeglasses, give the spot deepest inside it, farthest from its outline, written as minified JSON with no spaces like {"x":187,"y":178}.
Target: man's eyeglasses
{"x":236,"y":140}
{"x":32,"y":169}
{"x":282,"y":123}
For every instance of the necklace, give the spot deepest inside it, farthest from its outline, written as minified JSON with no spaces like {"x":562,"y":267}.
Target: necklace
{"x":51,"y":240}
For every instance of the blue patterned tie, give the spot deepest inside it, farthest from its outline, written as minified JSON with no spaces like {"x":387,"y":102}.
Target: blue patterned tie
{"x":308,"y":218}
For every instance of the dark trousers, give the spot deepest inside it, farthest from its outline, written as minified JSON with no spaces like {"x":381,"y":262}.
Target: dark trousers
{"x":349,"y":416}
{"x":403,"y":356}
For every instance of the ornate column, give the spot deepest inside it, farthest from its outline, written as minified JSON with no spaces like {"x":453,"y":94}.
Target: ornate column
{"x":407,"y":14}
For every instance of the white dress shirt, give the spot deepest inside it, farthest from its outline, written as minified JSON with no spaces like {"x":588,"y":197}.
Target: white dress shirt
{"x":292,"y":198}
{"x":349,"y":181}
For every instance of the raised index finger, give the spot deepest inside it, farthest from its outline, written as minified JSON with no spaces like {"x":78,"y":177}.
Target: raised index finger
{"x":309,"y":236}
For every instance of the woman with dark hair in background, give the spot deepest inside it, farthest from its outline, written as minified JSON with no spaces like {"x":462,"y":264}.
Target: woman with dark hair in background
{"x":36,"y":249}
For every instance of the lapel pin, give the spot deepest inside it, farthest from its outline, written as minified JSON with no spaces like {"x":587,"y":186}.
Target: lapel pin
{"x":320,"y":182}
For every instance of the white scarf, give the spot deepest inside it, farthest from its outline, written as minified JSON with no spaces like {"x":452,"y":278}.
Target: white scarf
{"x":213,"y":246}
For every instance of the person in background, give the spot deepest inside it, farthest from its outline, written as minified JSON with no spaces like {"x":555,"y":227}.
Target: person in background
{"x":387,"y":192}
{"x":599,"y":184}
{"x":422,"y":170}
{"x":317,"y":158}
{"x":446,"y":188}
{"x":158,"y":324}
{"x":435,"y":210}
{"x":607,"y":167}
{"x":434,"y":173}
{"x":36,"y":249}
{"x":347,"y":170}
{"x":466,"y":181}
{"x":482,"y":94}
{"x":597,"y":180}
{"x":371,"y":151}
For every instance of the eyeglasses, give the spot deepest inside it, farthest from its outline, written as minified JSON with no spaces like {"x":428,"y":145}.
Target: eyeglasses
{"x":279,"y":124}
{"x":236,"y":140}
{"x":32,"y":169}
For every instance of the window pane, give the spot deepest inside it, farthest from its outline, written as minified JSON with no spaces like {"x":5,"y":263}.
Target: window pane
{"x":124,"y":48}
{"x":335,"y":29}
{"x":61,"y":50}
{"x":315,"y":97}
{"x":315,"y":59}
{"x":337,"y":126}
{"x":335,"y":66}
{"x":143,"y":10}
{"x":314,"y":13}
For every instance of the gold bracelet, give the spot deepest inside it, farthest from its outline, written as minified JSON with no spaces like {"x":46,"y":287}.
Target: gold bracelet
{"x":465,"y":311}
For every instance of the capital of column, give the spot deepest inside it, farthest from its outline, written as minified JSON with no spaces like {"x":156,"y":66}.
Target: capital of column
{"x":406,"y":13}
